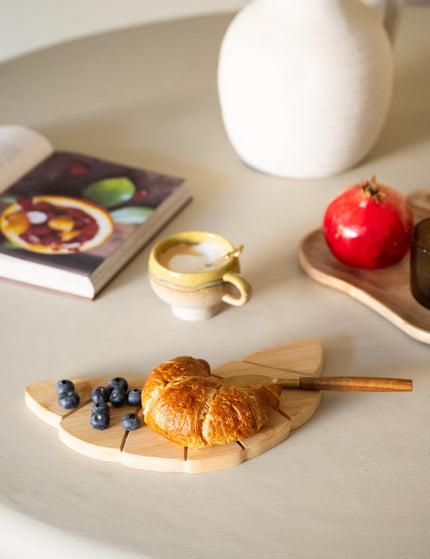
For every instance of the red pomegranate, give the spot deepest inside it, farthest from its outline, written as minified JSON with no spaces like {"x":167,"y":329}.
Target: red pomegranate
{"x":368,"y":225}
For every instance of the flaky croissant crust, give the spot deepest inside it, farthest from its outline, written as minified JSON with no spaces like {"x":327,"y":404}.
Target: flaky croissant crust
{"x":182,"y":401}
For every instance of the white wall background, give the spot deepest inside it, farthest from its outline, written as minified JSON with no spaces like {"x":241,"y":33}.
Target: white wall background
{"x":28,"y":25}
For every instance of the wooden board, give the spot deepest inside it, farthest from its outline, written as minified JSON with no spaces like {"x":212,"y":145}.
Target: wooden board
{"x":386,"y":291}
{"x":146,"y":450}
{"x":419,"y":200}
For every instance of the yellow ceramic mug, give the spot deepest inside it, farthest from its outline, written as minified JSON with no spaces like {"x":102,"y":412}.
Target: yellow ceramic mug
{"x":195,"y":272}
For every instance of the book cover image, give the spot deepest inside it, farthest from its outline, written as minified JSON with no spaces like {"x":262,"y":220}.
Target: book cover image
{"x":72,"y":211}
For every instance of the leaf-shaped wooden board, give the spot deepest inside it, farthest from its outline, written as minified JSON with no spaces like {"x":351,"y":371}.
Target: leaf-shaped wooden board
{"x":386,"y":291}
{"x":146,"y":450}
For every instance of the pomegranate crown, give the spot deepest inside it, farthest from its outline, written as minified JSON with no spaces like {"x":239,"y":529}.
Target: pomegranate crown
{"x":372,"y":190}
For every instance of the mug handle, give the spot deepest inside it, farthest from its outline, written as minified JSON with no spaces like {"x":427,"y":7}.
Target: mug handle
{"x":243,"y":287}
{"x":391,"y":16}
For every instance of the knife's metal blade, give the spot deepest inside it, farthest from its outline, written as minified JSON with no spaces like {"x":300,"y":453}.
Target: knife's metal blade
{"x":244,"y":380}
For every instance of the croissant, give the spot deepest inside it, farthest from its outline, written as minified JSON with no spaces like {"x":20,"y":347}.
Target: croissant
{"x":182,"y":401}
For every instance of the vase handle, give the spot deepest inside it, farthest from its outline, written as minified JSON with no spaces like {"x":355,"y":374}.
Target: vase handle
{"x":391,"y":17}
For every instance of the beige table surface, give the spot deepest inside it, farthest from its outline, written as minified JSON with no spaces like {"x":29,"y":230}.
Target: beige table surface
{"x":354,"y":482}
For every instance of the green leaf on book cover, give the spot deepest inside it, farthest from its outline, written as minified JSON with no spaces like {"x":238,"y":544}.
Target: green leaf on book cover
{"x":10,"y":244}
{"x":110,"y":192}
{"x":132,"y":214}
{"x":8,"y":199}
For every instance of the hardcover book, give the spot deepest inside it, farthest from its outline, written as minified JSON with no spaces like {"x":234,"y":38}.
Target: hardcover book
{"x":69,"y":222}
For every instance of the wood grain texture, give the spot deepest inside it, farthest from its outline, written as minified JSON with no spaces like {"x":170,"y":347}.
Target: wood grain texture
{"x":299,"y":406}
{"x":146,"y":450}
{"x":419,"y":200}
{"x":303,"y":357}
{"x":385,"y":291}
{"x":214,"y":458}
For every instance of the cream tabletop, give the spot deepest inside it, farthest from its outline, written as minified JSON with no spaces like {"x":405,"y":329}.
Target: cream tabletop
{"x":354,"y":481}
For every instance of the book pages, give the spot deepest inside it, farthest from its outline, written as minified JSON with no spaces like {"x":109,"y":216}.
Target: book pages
{"x":20,"y":150}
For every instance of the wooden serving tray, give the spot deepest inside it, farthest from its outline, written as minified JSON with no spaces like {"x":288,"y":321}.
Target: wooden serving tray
{"x":146,"y":450}
{"x":386,"y":291}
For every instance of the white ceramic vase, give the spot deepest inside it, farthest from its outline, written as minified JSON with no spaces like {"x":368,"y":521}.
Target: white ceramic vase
{"x":305,"y":85}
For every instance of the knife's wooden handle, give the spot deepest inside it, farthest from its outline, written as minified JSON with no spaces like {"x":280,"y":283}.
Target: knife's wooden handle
{"x":356,"y":384}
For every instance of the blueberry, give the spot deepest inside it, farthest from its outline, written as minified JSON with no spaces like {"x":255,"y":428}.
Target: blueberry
{"x":118,"y":397}
{"x":64,"y":386}
{"x":69,"y":400}
{"x":99,"y":420}
{"x":100,"y":407}
{"x":100,"y":394}
{"x":134,"y":397}
{"x":130,"y":421}
{"x":118,"y":382}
